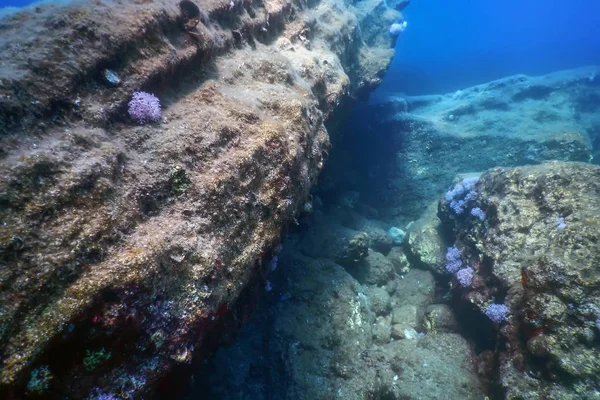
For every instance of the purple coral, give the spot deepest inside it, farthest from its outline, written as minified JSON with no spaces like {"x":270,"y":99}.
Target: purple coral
{"x":454,"y":192}
{"x":453,"y":262}
{"x":458,"y":206}
{"x":453,"y":254}
{"x":478,"y":213}
{"x":497,"y":312}
{"x":469,"y":183}
{"x":144,"y":107}
{"x":465,"y":276}
{"x":104,"y":396}
{"x":461,"y":194}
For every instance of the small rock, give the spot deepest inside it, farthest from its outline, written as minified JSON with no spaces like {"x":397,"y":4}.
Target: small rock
{"x":111,"y":77}
{"x":379,"y":299}
{"x":403,"y":331}
{"x":439,"y":318}
{"x":382,"y":331}
{"x":407,"y":314}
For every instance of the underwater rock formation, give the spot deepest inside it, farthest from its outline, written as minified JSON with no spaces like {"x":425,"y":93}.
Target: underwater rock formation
{"x":128,"y":249}
{"x":518,"y":319}
{"x":535,"y":285}
{"x":401,"y":151}
{"x":355,"y":332}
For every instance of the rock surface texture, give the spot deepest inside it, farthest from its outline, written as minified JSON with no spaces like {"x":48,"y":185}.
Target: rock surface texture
{"x":125,"y":249}
{"x":537,"y":252}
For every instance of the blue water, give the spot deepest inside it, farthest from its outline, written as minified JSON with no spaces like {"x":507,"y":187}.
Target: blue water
{"x":449,"y":45}
{"x":15,"y":3}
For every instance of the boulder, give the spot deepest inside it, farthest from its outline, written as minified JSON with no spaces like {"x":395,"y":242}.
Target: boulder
{"x":535,"y":258}
{"x":129,"y":247}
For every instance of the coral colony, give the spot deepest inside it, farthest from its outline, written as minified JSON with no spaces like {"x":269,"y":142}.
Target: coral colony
{"x":453,"y":261}
{"x":461,"y":194}
{"x":144,"y":107}
{"x":465,"y":276}
{"x":497,"y":313}
{"x":478,"y":213}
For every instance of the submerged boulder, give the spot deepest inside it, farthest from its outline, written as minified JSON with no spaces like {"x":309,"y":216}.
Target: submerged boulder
{"x":342,"y":245}
{"x":425,"y":246}
{"x":535,"y":259}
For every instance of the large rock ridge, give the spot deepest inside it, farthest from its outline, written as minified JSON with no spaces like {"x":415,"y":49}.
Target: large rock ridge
{"x":125,"y":248}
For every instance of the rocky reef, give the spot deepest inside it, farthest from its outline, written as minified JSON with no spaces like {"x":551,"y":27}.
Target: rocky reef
{"x":534,"y":257}
{"x":363,"y":326}
{"x":493,"y":292}
{"x":126,"y":249}
{"x":517,"y":319}
{"x":441,"y":254}
{"x":401,"y":151}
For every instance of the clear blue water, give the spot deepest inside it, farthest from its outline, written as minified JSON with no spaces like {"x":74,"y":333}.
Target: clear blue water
{"x":15,"y":3}
{"x":449,"y":45}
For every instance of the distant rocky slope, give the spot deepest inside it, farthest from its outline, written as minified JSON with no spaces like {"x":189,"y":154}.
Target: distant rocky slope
{"x":402,"y":150}
{"x":126,"y":249}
